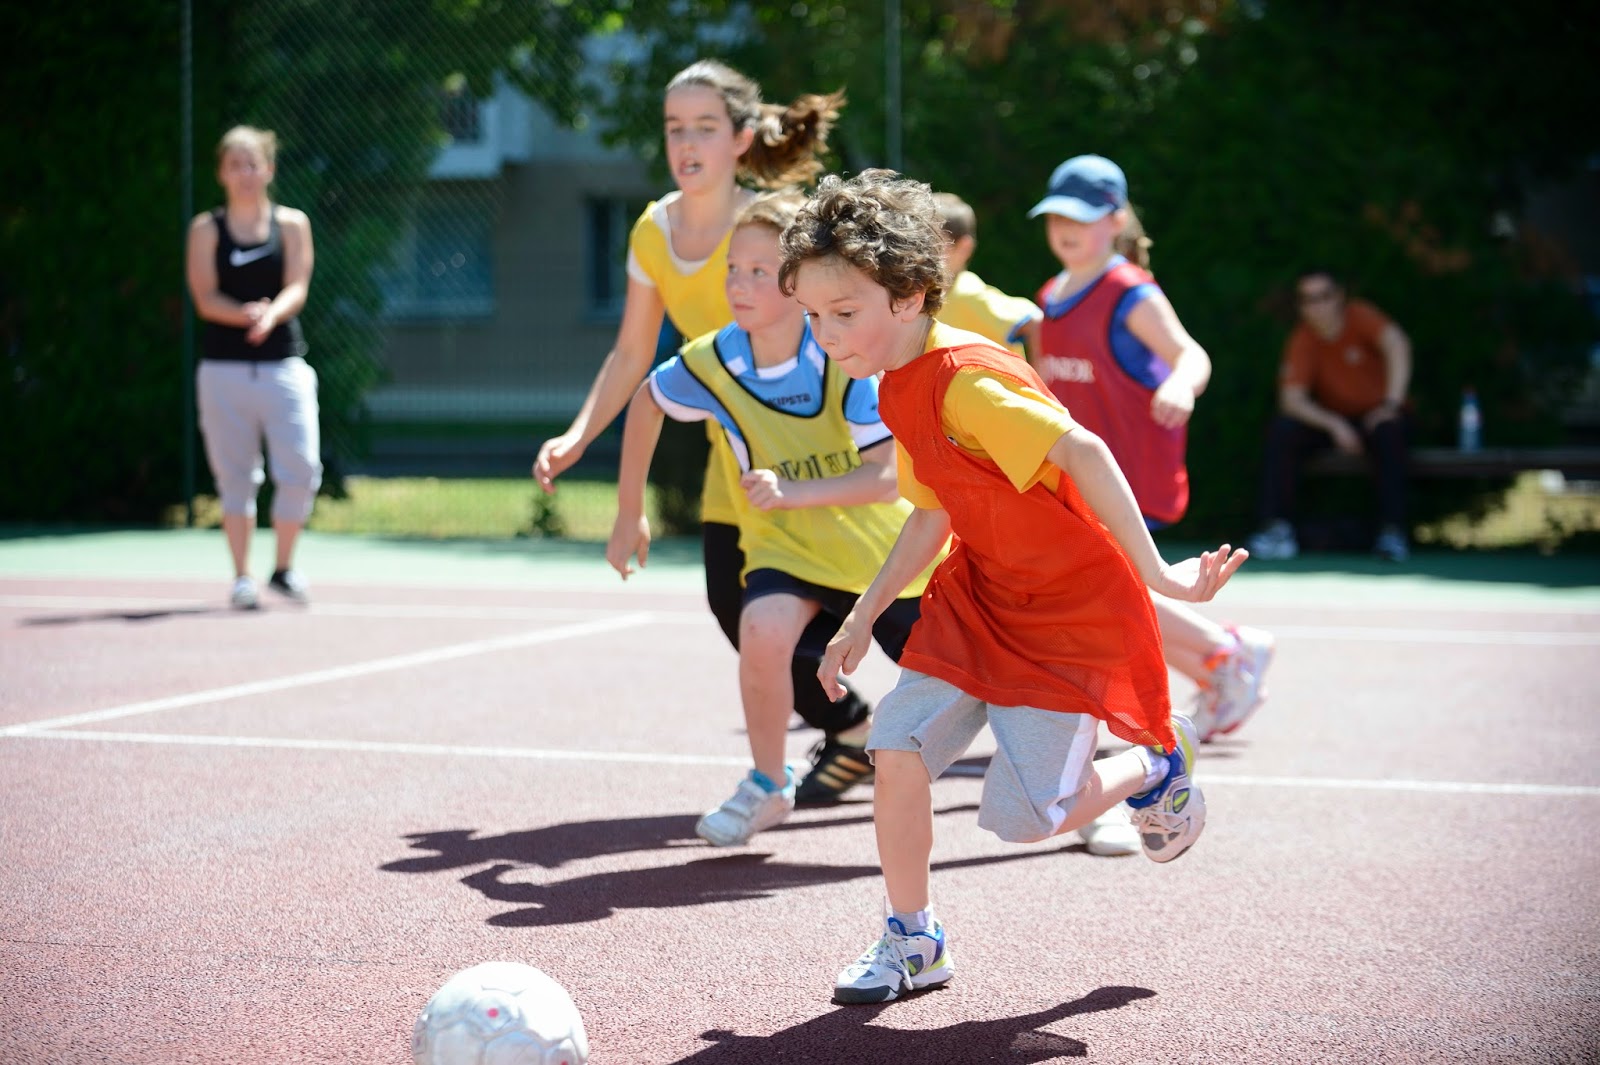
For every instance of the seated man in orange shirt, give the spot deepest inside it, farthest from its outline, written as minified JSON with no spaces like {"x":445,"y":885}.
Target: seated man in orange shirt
{"x":1343,"y":381}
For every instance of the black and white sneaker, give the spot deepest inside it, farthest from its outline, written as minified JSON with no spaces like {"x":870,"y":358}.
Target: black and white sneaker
{"x":288,"y":583}
{"x":835,"y":769}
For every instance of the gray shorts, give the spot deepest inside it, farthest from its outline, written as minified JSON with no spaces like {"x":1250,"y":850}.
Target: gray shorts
{"x":1042,"y":759}
{"x":243,"y":402}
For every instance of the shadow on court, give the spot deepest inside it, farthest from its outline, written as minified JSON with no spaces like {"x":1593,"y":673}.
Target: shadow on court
{"x":700,"y":881}
{"x":153,"y":614}
{"x":703,"y":882}
{"x":846,"y":1034}
{"x":555,"y":845}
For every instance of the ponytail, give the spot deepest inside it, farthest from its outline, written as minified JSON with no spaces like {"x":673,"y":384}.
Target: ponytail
{"x":1133,"y":243}
{"x":789,"y":140}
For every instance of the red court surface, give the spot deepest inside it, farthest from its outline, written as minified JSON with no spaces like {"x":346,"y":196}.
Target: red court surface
{"x":269,"y":837}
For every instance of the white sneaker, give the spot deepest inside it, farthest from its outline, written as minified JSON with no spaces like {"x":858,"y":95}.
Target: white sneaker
{"x":1274,"y":543}
{"x":1203,"y":711}
{"x":244,"y":596}
{"x":750,"y":809}
{"x":1111,"y":835}
{"x":1171,"y":815}
{"x":896,"y":964}
{"x":1240,"y":683}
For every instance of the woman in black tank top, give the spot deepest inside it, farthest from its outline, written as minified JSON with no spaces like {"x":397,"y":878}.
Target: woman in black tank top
{"x":249,"y":271}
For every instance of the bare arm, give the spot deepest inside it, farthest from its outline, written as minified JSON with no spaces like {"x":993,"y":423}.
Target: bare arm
{"x":874,"y":481}
{"x":1296,"y":402}
{"x":630,"y":532}
{"x":1085,"y":458}
{"x":298,"y":259}
{"x":1156,"y":325}
{"x":1396,"y":348}
{"x":624,"y":367}
{"x":200,"y":267}
{"x":1397,"y":361}
{"x":921,"y":539}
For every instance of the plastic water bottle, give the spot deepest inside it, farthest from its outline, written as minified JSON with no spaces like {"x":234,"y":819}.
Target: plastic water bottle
{"x":1471,"y":430}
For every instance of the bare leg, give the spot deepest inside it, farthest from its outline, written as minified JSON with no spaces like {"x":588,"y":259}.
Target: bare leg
{"x":288,"y":534}
{"x":236,"y":528}
{"x":902,"y":814}
{"x":1188,"y":638}
{"x":769,"y":628}
{"x":1110,"y":781}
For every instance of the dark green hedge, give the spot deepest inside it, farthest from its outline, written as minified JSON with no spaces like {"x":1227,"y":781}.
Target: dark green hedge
{"x":1383,"y":141}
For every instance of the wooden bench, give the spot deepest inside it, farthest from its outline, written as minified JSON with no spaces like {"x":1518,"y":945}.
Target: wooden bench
{"x":1578,"y":463}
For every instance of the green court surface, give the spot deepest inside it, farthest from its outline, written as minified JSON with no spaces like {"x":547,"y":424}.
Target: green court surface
{"x":1483,"y":580}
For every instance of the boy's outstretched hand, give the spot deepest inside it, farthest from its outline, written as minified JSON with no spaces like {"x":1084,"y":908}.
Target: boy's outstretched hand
{"x":629,"y":537}
{"x":1196,"y":580}
{"x":845,"y":652}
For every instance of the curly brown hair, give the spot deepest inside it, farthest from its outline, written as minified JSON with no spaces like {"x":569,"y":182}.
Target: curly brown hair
{"x":882,"y":224}
{"x":788,"y":139}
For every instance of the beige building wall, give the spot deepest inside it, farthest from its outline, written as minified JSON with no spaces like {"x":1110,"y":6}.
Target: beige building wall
{"x":535,"y":356}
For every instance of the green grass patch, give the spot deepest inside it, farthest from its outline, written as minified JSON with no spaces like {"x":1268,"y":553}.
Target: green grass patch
{"x":436,"y":508}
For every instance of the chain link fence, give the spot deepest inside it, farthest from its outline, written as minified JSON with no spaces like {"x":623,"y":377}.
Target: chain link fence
{"x":471,"y":224}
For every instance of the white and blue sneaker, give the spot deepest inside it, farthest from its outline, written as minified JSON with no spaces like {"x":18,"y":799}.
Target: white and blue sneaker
{"x":1170,"y":816}
{"x":899,"y":963}
{"x":1241,"y":680}
{"x":751,"y":808}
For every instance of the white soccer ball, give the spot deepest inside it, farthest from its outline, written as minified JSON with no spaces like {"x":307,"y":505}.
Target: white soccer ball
{"x":500,"y":1013}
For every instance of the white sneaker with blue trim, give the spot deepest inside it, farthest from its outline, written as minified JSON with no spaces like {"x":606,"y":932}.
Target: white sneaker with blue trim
{"x":899,"y":963}
{"x":750,"y":809}
{"x":1170,"y":816}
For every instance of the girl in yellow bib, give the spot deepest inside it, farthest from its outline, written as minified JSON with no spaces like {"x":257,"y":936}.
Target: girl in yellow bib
{"x":718,"y":133}
{"x":818,"y":503}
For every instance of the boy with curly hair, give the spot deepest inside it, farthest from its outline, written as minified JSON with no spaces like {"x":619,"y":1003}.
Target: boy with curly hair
{"x":1038,"y":623}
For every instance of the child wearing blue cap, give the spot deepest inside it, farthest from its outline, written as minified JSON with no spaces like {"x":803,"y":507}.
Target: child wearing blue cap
{"x":1113,"y":351}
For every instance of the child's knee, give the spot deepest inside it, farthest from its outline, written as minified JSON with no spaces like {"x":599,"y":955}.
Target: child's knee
{"x":891,"y":768}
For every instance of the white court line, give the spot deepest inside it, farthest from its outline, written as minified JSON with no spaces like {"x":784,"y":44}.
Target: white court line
{"x":323,"y":676}
{"x":348,"y":610}
{"x":1377,"y":634}
{"x":378,"y":747}
{"x":1445,"y":787}
{"x":1347,"y":633}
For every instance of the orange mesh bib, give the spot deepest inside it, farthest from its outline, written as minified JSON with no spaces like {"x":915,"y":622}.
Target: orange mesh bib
{"x":1036,"y":605}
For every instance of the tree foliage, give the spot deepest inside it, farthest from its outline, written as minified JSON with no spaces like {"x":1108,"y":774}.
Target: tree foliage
{"x":1392,"y":143}
{"x":1383,"y":141}
{"x":91,"y":246}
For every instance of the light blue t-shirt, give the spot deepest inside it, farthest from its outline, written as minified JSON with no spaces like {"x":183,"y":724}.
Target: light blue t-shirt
{"x":795,"y":387}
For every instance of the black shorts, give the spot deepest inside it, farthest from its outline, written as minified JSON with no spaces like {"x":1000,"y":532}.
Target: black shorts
{"x":891,"y":630}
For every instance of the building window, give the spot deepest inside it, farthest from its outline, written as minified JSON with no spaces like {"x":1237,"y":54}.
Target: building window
{"x":459,"y":113}
{"x":443,"y":267}
{"x":610,"y":219}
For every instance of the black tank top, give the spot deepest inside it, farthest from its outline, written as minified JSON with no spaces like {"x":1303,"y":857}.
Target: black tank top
{"x":248,"y":274}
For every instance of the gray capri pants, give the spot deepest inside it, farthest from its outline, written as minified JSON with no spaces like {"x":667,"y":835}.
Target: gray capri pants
{"x":1041,"y":763}
{"x":240,"y":402}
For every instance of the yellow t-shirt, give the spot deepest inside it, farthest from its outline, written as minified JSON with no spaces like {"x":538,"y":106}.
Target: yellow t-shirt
{"x":994,"y":418}
{"x":983,"y":309}
{"x":697,"y":303}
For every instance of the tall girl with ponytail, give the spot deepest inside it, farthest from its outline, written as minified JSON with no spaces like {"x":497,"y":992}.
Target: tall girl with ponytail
{"x":722,"y":142}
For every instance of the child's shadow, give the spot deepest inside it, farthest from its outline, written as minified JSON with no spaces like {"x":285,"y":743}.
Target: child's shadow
{"x":845,"y":1035}
{"x":554,"y":845}
{"x":703,"y":882}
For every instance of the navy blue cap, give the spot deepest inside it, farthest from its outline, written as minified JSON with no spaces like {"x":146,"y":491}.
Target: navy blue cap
{"x":1085,"y":188}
